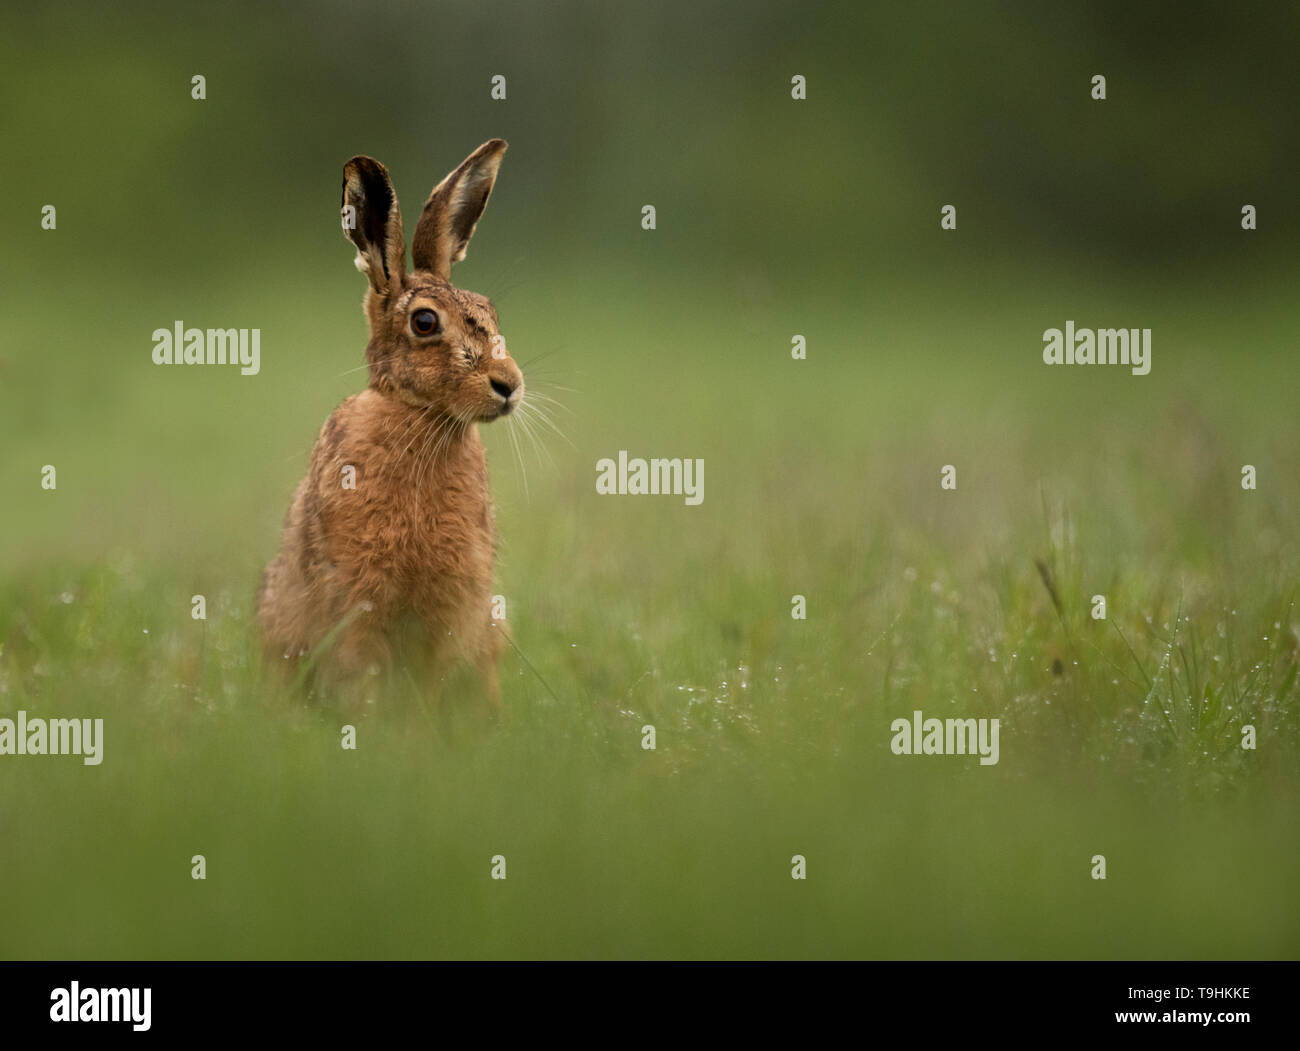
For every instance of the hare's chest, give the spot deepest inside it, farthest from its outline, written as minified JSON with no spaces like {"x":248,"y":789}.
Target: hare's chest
{"x":440,"y":529}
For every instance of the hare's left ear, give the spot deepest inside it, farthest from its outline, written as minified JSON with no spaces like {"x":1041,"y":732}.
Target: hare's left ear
{"x":373,"y":222}
{"x":453,"y":209}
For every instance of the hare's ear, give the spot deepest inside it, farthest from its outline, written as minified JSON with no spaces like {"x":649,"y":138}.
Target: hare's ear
{"x":373,"y":222}
{"x":453,"y":210}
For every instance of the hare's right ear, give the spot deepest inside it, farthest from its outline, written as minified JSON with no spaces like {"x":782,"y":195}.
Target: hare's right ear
{"x":373,"y":222}
{"x":453,"y":210}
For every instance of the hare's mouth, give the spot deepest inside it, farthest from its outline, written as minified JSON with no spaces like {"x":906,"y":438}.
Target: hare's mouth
{"x":505,"y":404}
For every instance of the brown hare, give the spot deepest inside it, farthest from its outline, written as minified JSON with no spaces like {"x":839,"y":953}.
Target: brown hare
{"x":391,"y":536}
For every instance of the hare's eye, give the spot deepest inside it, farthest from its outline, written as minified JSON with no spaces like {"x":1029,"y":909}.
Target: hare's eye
{"x":424,"y":323}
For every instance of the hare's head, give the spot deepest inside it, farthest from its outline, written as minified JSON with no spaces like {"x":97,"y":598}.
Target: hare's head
{"x":431,"y":343}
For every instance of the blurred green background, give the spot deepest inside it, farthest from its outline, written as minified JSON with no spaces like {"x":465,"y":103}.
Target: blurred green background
{"x":775,"y":218}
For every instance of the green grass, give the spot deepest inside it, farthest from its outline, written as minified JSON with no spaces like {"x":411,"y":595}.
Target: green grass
{"x":1119,"y":737}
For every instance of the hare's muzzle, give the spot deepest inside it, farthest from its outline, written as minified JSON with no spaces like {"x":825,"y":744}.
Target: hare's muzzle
{"x":507,"y":384}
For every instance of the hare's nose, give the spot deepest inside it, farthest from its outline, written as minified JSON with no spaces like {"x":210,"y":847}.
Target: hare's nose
{"x":503,"y":388}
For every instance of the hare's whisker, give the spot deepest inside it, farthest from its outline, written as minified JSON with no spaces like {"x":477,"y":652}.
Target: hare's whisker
{"x":541,"y":415}
{"x":537,"y":396}
{"x":542,"y":356}
{"x":519,"y":456}
{"x":367,"y":364}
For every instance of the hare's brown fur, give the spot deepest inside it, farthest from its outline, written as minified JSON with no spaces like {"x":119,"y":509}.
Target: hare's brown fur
{"x":408,"y":553}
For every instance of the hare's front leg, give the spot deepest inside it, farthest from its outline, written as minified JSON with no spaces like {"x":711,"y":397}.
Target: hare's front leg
{"x":489,"y":659}
{"x":465,"y":673}
{"x":354,"y":663}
